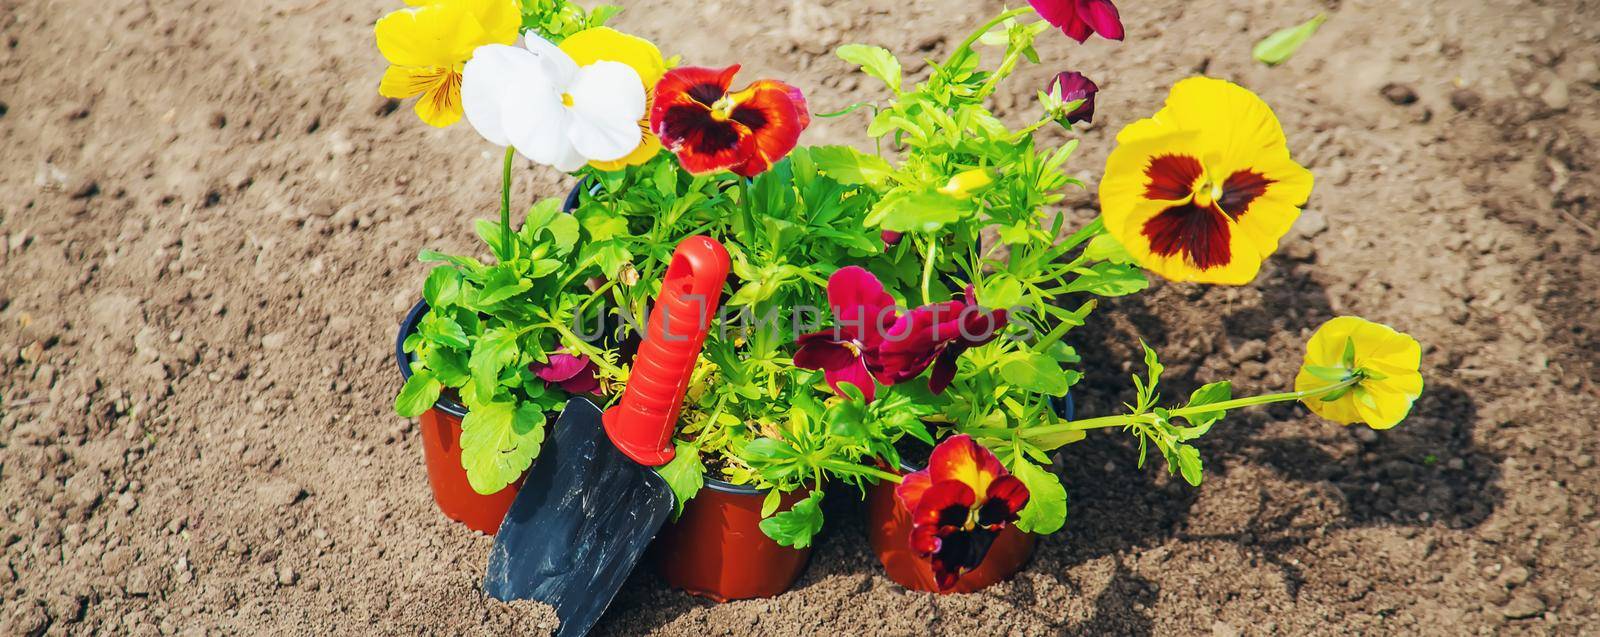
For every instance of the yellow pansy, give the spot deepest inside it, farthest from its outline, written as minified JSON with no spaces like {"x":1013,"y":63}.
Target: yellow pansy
{"x":606,"y":44}
{"x":1204,"y":190}
{"x":1381,"y":362}
{"x":428,"y":44}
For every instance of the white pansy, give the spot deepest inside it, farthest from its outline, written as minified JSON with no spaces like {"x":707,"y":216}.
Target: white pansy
{"x":552,"y":110}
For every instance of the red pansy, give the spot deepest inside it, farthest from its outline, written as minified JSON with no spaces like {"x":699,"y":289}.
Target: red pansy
{"x":710,"y":128}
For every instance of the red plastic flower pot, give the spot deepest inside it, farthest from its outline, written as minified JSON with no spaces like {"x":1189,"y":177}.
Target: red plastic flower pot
{"x":889,"y":530}
{"x":716,"y":548}
{"x":441,"y":448}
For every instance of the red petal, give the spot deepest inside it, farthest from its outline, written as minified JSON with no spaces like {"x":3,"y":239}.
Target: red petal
{"x":945,"y":504}
{"x":681,"y":117}
{"x":911,"y":488}
{"x":860,"y":304}
{"x":854,"y":374}
{"x":1007,"y":495}
{"x":911,"y":344}
{"x":775,"y":114}
{"x":962,"y":459}
{"x":1101,"y":16}
{"x":824,"y":350}
{"x":944,"y":369}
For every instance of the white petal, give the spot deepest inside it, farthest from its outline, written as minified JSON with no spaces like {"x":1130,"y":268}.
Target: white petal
{"x":557,"y":65}
{"x":492,"y":68}
{"x":607,"y":103}
{"x":536,"y":123}
{"x":573,"y":160}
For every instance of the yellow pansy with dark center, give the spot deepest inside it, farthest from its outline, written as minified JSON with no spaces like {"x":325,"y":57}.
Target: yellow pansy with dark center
{"x":1204,"y":190}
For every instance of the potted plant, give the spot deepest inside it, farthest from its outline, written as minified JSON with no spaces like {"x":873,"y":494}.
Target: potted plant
{"x":896,"y":324}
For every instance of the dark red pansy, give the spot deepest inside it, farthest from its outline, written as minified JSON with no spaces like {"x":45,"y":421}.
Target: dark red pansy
{"x":975,"y":327}
{"x":958,"y":505}
{"x":710,"y":128}
{"x":847,"y":353}
{"x":573,"y":374}
{"x":1072,"y":86}
{"x":1081,"y":18}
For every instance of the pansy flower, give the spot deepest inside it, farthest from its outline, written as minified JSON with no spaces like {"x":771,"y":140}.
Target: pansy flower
{"x":711,"y":127}
{"x":1081,"y":18}
{"x":604,"y":43}
{"x":958,"y":505}
{"x":551,"y":109}
{"x":848,"y":352}
{"x":975,"y":326}
{"x":1204,"y":190}
{"x":1382,"y":361}
{"x":427,"y":46}
{"x":573,"y":374}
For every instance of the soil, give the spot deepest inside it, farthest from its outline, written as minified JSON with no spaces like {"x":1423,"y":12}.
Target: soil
{"x":208,"y":224}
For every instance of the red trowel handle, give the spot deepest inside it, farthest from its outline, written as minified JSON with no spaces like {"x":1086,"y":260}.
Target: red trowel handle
{"x":641,"y":424}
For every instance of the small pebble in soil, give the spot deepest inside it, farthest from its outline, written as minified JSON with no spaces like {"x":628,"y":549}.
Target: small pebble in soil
{"x":1523,"y":606}
{"x":1557,"y":96}
{"x":1465,"y":99}
{"x":1399,"y":94}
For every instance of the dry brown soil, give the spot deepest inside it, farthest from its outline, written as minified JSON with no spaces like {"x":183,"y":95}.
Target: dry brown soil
{"x":208,"y":223}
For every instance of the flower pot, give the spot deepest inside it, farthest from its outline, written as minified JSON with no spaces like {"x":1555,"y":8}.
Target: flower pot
{"x":716,"y":548}
{"x":889,"y":531}
{"x":441,"y":448}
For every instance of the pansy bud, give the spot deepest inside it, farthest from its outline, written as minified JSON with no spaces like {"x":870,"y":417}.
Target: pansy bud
{"x":966,"y":182}
{"x":1067,"y":88}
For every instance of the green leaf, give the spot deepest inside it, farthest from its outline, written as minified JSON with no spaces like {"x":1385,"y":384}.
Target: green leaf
{"x":918,"y":211}
{"x":498,"y":443}
{"x":546,"y":218}
{"x":1189,"y":463}
{"x":501,"y":285}
{"x":1104,"y":247}
{"x":443,"y":330}
{"x":442,"y":287}
{"x":875,"y":61}
{"x":602,"y":225}
{"x":1201,"y":422}
{"x":420,"y":392}
{"x":1277,"y":48}
{"x":847,"y":165}
{"x":685,"y":474}
{"x":1047,"y":499}
{"x":1109,"y":278}
{"x":1001,"y":291}
{"x":494,"y":350}
{"x":447,"y":365}
{"x":1037,"y":372}
{"x":795,"y":527}
{"x":1349,"y":357}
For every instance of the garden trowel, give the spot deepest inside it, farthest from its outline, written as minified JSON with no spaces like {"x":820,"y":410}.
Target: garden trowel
{"x":592,"y":500}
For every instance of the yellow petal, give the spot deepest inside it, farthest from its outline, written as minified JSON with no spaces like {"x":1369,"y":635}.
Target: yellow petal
{"x":604,"y":43}
{"x":1229,"y":118}
{"x":401,"y":82}
{"x":420,"y":36}
{"x":440,"y":105}
{"x":1342,"y":410}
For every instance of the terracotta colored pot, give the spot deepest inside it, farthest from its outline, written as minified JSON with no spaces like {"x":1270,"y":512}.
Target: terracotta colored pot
{"x":716,"y":548}
{"x":441,"y":448}
{"x":889,"y":530}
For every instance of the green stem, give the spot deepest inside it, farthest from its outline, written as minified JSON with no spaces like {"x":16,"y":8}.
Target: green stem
{"x":973,"y":38}
{"x":1123,"y":420}
{"x":507,"y":248}
{"x":746,"y":214}
{"x":927,"y":269}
